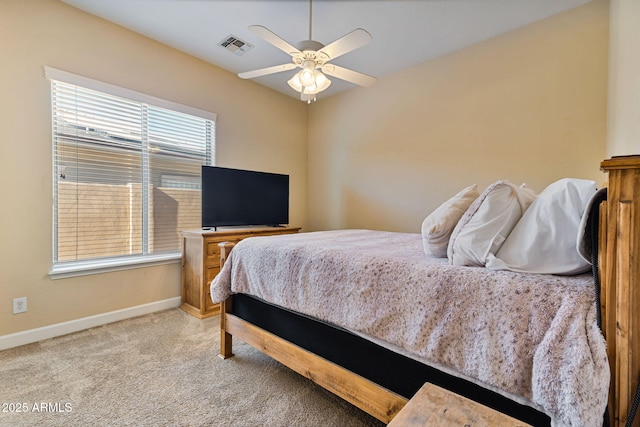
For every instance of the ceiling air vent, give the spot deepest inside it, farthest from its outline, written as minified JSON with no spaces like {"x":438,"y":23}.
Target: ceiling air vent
{"x":235,"y":45}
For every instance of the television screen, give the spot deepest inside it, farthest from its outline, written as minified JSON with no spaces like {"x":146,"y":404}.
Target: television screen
{"x":232,"y":197}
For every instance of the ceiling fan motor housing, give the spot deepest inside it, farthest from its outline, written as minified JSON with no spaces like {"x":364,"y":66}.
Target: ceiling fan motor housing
{"x":309,"y":45}
{"x":309,"y":51}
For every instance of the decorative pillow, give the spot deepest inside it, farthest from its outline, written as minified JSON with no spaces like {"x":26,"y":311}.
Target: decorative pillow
{"x":544,"y":241}
{"x":486,"y":224}
{"x":437,"y":227}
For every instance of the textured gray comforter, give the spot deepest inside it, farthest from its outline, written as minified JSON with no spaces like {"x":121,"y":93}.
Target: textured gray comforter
{"x":533,"y":338}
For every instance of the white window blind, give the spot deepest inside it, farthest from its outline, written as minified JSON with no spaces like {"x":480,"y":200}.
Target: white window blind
{"x":126,"y":173}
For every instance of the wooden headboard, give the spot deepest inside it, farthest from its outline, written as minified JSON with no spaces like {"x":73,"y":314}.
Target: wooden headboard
{"x":620,"y":282}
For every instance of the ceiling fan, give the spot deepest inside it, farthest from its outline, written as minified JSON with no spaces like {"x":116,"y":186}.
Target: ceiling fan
{"x":313,"y":58}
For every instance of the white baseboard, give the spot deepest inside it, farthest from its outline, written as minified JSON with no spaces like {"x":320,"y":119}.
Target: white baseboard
{"x":58,"y":329}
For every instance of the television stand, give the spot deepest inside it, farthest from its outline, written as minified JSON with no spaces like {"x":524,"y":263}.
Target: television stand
{"x":201,"y":263}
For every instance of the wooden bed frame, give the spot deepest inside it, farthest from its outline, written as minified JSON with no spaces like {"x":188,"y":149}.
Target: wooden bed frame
{"x":619,"y":260}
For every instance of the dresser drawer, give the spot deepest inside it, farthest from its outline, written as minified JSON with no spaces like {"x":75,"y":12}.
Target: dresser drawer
{"x":213,"y":250}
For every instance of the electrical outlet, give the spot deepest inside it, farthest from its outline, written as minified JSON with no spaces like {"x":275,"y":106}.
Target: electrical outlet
{"x":19,"y":305}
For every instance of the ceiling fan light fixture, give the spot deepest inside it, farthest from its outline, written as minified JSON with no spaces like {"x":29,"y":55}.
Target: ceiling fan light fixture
{"x":317,"y":84}
{"x":294,"y":82}
{"x":321,"y":81}
{"x":308,"y":75}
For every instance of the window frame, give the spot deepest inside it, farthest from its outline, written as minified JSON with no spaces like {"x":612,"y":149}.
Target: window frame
{"x":115,"y":263}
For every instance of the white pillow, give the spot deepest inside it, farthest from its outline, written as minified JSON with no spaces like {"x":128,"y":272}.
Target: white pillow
{"x":437,"y":227}
{"x":487,"y":223}
{"x":544,"y":241}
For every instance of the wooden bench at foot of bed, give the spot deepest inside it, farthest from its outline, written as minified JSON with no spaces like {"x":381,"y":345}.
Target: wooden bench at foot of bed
{"x":435,"y":406}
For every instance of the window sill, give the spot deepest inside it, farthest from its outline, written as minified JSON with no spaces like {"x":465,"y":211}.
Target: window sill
{"x":85,"y":268}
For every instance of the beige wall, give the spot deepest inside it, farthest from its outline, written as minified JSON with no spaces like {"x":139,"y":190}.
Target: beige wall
{"x":529,"y":106}
{"x":257,"y":128}
{"x":624,"y":79}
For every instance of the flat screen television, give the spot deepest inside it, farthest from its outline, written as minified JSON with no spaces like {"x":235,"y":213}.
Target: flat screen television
{"x":236,"y":197}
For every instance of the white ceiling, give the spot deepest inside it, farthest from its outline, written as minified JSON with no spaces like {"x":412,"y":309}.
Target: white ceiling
{"x":405,"y":32}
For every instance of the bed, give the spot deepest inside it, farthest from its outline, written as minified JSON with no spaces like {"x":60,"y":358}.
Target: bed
{"x":525,"y":344}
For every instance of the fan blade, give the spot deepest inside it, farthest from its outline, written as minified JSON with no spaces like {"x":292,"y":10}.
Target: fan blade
{"x":269,"y":70}
{"x":348,"y":75}
{"x":355,"y":39}
{"x":273,"y":38}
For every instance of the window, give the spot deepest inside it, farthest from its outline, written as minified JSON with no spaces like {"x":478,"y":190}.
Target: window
{"x":126,"y":174}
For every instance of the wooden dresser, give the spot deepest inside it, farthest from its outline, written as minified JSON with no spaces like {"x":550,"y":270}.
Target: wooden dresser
{"x":201,"y":263}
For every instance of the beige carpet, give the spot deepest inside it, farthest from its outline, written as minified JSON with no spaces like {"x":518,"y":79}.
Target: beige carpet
{"x":159,"y":369}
